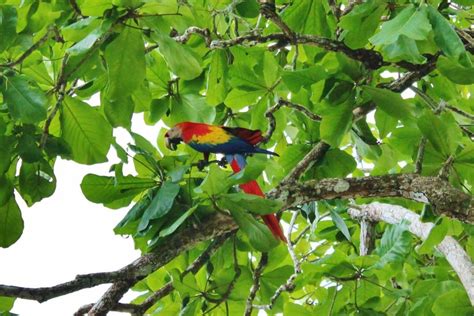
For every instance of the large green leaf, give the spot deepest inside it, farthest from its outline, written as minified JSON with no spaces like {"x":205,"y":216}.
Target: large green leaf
{"x":390,"y":102}
{"x":394,"y":246}
{"x":6,"y":189}
{"x":258,"y":234}
{"x":161,"y":204}
{"x":175,"y":225}
{"x":216,"y":78}
{"x":37,"y":181}
{"x":454,"y":71}
{"x":340,"y":224}
{"x":336,"y":123}
{"x":11,"y":223}
{"x":361,"y":23}
{"x":101,"y":189}
{"x":8,"y":19}
{"x":216,"y":182}
{"x":189,"y":107}
{"x":411,"y":22}
{"x":86,"y":131}
{"x":438,"y":132}
{"x":308,"y":17}
{"x":7,"y":144}
{"x":436,"y":235}
{"x":125,"y":58}
{"x":182,"y":60}
{"x":253,"y":203}
{"x":454,"y":302}
{"x":446,"y":38}
{"x":26,"y":102}
{"x":303,"y":78}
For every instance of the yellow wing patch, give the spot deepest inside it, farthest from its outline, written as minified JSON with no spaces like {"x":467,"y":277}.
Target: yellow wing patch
{"x":216,"y":135}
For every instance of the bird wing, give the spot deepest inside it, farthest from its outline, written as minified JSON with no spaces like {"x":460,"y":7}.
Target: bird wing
{"x":253,"y":137}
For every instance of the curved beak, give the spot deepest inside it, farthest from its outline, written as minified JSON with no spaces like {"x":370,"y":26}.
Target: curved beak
{"x":171,"y":143}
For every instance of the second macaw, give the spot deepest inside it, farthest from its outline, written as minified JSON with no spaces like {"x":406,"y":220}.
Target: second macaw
{"x":234,"y":143}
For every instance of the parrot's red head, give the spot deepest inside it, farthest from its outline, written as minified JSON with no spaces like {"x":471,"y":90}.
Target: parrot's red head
{"x":173,"y":137}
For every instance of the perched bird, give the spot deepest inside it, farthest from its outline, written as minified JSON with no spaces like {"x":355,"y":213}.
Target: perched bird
{"x":235,"y":143}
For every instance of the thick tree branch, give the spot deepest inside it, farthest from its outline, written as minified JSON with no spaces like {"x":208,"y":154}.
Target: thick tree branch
{"x":43,"y":294}
{"x":440,"y":194}
{"x":454,"y":253}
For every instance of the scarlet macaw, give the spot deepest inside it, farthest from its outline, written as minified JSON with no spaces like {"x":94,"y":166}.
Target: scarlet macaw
{"x":234,"y":143}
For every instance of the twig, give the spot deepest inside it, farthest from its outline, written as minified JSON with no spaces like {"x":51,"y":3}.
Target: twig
{"x":76,"y":8}
{"x":271,"y":118}
{"x":231,"y":284}
{"x":60,"y":87}
{"x":257,"y":273}
{"x":350,"y":6}
{"x":315,"y":154}
{"x":460,"y":112}
{"x":290,"y":244}
{"x":420,"y":154}
{"x":445,"y":169}
{"x":30,"y":50}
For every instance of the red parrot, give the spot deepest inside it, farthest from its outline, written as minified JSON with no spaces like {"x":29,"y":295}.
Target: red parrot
{"x":234,"y":143}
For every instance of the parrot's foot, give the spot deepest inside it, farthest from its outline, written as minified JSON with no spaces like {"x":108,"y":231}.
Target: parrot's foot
{"x":201,"y":164}
{"x":222,"y":162}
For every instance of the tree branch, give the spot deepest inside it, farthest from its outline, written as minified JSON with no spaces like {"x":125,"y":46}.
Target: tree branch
{"x":394,"y":214}
{"x":257,"y":273}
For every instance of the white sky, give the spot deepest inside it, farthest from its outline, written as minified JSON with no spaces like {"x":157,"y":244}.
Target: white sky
{"x":66,"y":235}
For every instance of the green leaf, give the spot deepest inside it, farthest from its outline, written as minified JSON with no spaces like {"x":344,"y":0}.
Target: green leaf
{"x":361,"y":23}
{"x":411,"y":22}
{"x":172,"y":228}
{"x":253,"y":203}
{"x":445,"y":36}
{"x":8,"y":19}
{"x":105,"y":190}
{"x":237,"y":99}
{"x":258,"y":234}
{"x":86,"y":131}
{"x":189,"y":107}
{"x":181,"y":59}
{"x":126,"y":225}
{"x":6,"y":303}
{"x":340,"y":224}
{"x":437,"y":133}
{"x":118,"y":112}
{"x":6,"y":189}
{"x":216,"y":182}
{"x":308,"y":17}
{"x":216,"y":78}
{"x":11,"y":221}
{"x":7,"y":144}
{"x":436,"y":235}
{"x":95,"y":7}
{"x":303,"y":78}
{"x":454,"y":302}
{"x":394,"y":246}
{"x":336,"y":123}
{"x":390,"y":102}
{"x":335,"y":164}
{"x":37,"y":181}
{"x":454,"y":71}
{"x":385,"y":123}
{"x":125,"y":59}
{"x":26,"y":102}
{"x":404,"y":49}
{"x":161,"y":204}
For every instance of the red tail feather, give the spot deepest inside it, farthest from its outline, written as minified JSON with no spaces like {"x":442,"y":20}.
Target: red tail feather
{"x":270,"y":220}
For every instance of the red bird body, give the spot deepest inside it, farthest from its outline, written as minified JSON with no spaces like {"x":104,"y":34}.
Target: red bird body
{"x":234,"y":143}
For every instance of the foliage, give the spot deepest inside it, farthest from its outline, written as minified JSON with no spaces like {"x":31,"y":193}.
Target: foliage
{"x":179,"y":61}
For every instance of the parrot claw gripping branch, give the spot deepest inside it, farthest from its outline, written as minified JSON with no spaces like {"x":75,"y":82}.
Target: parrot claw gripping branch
{"x":235,"y":143}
